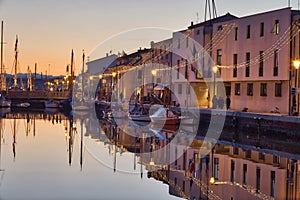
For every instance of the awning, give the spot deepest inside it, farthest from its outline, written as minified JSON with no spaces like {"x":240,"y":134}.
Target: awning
{"x":161,"y":87}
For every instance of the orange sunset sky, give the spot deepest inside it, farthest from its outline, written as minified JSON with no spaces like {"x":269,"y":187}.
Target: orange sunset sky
{"x":49,"y":29}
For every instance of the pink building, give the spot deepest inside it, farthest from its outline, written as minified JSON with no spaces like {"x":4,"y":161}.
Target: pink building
{"x":254,"y":57}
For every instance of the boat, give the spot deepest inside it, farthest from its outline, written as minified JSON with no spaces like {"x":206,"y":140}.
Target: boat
{"x":188,"y":120}
{"x":4,"y":102}
{"x":119,"y":114}
{"x":66,"y":104}
{"x":102,"y":104}
{"x":164,"y":116}
{"x":52,"y":103}
{"x":140,"y":117}
{"x":139,"y":113}
{"x":82,"y":104}
{"x":23,"y":105}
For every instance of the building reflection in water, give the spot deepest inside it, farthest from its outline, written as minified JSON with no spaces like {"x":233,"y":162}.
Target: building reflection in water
{"x":228,"y":171}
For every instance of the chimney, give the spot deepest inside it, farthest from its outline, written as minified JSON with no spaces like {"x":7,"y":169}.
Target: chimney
{"x":192,"y":23}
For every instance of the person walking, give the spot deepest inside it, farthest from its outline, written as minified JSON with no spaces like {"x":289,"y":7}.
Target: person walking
{"x":228,"y":102}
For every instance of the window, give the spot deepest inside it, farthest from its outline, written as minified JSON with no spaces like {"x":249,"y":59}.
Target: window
{"x":263,"y":89}
{"x":261,"y":156}
{"x":275,"y":69}
{"x":178,"y":45}
{"x":216,"y":168}
{"x":139,"y":74}
{"x":278,"y":88}
{"x":232,"y":170}
{"x":262,"y":29}
{"x":276,"y":159}
{"x":188,"y":89}
{"x":248,"y":154}
{"x":248,"y":31}
{"x":247,"y":72}
{"x":236,"y":151}
{"x":220,"y":27}
{"x":236,"y":33}
{"x":272,"y":193}
{"x":179,"y":89}
{"x":198,"y":32}
{"x":187,"y":42}
{"x":245,"y":174}
{"x":178,"y":67}
{"x":219,"y":57}
{"x":276,"y":27}
{"x":186,"y":70}
{"x":257,"y":180}
{"x":158,"y":80}
{"x":176,"y":154}
{"x":250,"y":89}
{"x":261,"y":64}
{"x":237,"y":89}
{"x":235,"y":60}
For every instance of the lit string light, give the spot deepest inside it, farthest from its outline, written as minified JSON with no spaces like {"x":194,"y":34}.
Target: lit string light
{"x":284,"y":40}
{"x":218,"y":38}
{"x":213,"y":43}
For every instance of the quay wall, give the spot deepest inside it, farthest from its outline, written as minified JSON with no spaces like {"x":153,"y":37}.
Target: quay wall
{"x":264,"y":131}
{"x":272,"y":123}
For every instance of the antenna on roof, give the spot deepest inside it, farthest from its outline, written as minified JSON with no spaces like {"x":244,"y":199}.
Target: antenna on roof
{"x":211,"y":8}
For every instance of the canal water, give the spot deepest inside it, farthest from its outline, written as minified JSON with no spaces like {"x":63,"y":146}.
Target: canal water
{"x":50,"y":155}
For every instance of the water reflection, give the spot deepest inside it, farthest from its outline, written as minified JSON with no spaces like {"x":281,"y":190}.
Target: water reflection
{"x":229,"y":171}
{"x":60,"y":154}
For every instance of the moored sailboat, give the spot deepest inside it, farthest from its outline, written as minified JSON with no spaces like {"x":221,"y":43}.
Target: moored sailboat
{"x":52,"y":103}
{"x":164,"y":116}
{"x":82,"y":104}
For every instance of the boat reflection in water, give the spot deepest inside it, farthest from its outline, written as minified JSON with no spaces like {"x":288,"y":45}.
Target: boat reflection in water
{"x":203,"y":170}
{"x":193,"y":167}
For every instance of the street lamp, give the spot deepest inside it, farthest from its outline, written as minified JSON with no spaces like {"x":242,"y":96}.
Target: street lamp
{"x":215,"y":70}
{"x":295,"y":98}
{"x":112,"y":83}
{"x":153,"y":72}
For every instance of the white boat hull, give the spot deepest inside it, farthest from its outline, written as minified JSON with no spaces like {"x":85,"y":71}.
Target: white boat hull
{"x":81,"y":108}
{"x":52,"y":104}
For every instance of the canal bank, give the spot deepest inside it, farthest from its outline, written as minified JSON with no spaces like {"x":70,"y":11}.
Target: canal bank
{"x":254,"y":122}
{"x":264,"y":131}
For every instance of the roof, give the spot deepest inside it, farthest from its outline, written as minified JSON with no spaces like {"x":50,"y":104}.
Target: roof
{"x":223,"y":18}
{"x":132,"y":58}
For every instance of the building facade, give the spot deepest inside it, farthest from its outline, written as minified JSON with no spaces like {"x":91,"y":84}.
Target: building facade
{"x":249,"y":60}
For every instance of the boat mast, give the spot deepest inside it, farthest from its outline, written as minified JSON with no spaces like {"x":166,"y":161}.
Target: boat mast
{"x":29,"y":79}
{"x":82,"y":74}
{"x":72,"y":72}
{"x":3,"y":81}
{"x":16,"y":63}
{"x":1,"y":47}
